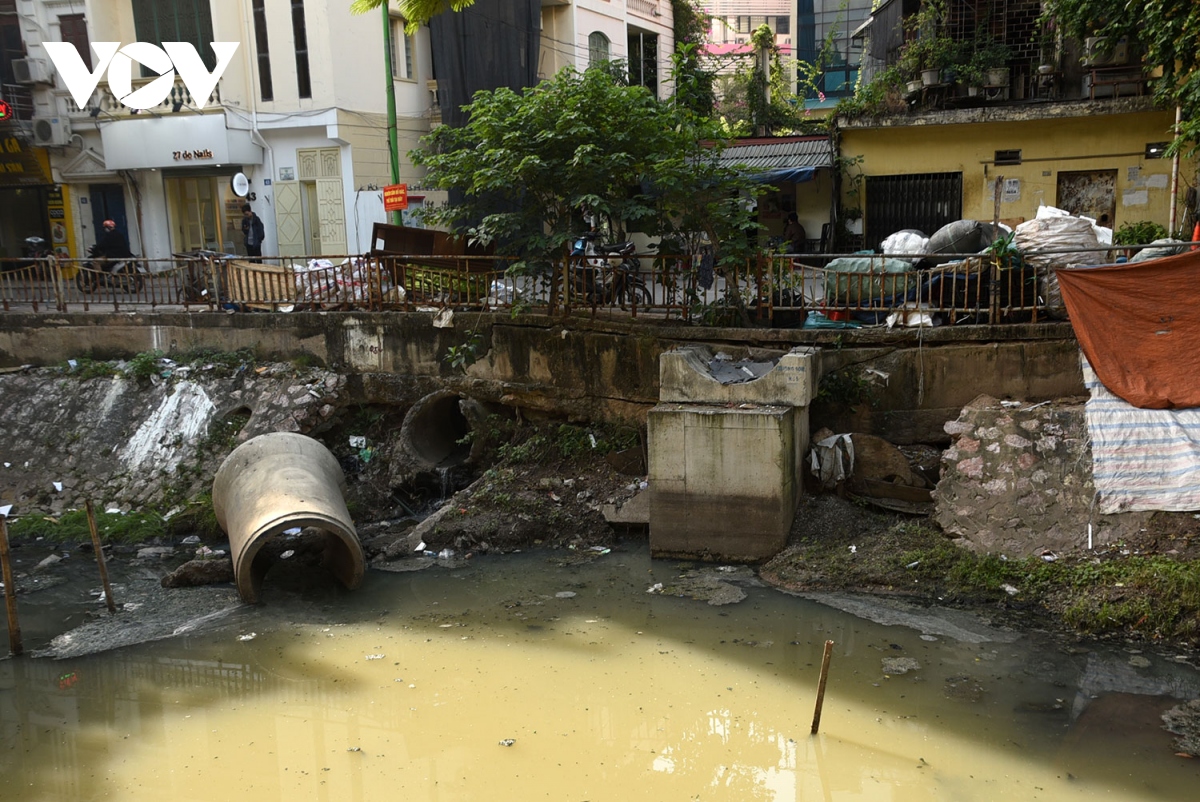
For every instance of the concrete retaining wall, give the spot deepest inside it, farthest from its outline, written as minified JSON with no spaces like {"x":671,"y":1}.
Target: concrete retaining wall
{"x":590,"y":369}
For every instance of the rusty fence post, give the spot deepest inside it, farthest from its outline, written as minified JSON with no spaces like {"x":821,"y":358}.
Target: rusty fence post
{"x":10,"y":591}
{"x":108,"y":597}
{"x":816,"y":723}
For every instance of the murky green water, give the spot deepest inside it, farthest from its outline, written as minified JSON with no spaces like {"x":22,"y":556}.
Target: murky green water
{"x":409,"y":689}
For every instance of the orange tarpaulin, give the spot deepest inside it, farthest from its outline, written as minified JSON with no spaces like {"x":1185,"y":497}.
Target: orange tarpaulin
{"x":1139,"y":327}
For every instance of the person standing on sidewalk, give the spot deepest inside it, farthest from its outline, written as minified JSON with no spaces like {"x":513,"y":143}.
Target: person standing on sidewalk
{"x":252,"y":230}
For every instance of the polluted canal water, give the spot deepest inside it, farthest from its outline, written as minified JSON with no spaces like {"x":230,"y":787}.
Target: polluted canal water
{"x":526,"y":677}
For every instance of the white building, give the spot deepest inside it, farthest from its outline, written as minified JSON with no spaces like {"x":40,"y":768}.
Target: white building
{"x":581,"y":32}
{"x":300,"y":110}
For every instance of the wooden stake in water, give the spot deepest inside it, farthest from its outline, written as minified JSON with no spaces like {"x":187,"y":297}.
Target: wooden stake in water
{"x":91,"y":516}
{"x":10,"y":591}
{"x":821,"y":686}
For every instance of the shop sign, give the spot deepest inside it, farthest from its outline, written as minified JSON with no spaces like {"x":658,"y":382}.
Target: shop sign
{"x":192,"y":155}
{"x":395,"y":197}
{"x":20,"y":165}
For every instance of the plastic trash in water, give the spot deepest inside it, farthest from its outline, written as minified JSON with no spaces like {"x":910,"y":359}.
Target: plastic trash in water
{"x":374,"y":657}
{"x":248,"y":636}
{"x":445,"y":554}
{"x":286,"y":554}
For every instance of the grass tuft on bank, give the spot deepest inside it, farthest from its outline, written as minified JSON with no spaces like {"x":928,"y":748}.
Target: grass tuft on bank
{"x":72,"y":527}
{"x":1153,"y":597}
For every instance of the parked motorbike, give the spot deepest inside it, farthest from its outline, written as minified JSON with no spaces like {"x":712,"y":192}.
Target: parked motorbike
{"x":120,"y":274}
{"x":596,"y":278}
{"x":33,"y":250}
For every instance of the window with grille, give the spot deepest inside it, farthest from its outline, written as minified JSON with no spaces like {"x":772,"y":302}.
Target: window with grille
{"x":262,"y":50}
{"x":158,"y":21}
{"x":402,"y":51}
{"x":598,"y":48}
{"x":73,"y":30}
{"x":300,"y":42}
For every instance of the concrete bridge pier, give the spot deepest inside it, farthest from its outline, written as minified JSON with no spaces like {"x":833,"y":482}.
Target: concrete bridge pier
{"x":726,"y":453}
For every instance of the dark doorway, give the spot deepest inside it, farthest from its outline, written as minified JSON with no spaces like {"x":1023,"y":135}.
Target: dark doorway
{"x":108,"y":203}
{"x":926,"y":202}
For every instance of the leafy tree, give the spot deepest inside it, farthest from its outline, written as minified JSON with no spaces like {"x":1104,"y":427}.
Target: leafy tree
{"x":694,"y":83}
{"x":528,"y":164}
{"x":415,"y":12}
{"x":1169,"y":30}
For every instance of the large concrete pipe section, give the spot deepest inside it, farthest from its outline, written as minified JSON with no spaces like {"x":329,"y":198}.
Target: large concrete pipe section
{"x":276,"y":482}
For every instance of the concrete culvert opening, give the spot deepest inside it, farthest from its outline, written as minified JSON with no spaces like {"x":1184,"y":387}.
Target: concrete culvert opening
{"x":434,"y":431}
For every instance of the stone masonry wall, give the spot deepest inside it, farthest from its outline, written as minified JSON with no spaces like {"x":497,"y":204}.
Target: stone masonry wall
{"x":127,"y":444}
{"x":1017,"y":480}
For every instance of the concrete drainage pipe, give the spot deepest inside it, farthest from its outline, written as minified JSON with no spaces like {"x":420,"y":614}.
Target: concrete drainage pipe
{"x":433,"y":431}
{"x":276,"y":482}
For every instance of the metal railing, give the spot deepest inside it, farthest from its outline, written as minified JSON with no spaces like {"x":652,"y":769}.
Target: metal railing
{"x":778,"y":290}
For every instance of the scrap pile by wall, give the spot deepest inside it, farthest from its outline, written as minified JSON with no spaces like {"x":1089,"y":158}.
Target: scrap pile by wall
{"x":1017,"y":480}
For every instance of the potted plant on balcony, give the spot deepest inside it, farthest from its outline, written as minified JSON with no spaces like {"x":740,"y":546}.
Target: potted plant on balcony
{"x":1047,"y":42}
{"x":928,"y":49}
{"x":991,"y":61}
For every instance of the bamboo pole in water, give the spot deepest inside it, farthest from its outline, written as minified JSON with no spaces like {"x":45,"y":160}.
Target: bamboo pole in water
{"x":108,"y":597}
{"x":816,"y":725}
{"x":10,"y":591}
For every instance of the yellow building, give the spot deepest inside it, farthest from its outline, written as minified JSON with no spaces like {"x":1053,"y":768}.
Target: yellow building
{"x":959,"y":94}
{"x":1101,"y":161}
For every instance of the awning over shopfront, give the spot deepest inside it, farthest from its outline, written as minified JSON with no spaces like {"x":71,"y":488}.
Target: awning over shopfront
{"x":176,"y":140}
{"x":772,"y":160}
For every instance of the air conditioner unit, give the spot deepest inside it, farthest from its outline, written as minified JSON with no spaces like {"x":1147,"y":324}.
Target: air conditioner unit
{"x":31,"y":71}
{"x":1099,"y":52}
{"x":51,"y":130}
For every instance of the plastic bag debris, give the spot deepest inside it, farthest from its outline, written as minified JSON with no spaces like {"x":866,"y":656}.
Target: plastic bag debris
{"x":832,"y":460}
{"x":444,"y":319}
{"x":906,"y":242}
{"x":248,"y":636}
{"x":503,"y":292}
{"x":374,"y":657}
{"x":358,"y":441}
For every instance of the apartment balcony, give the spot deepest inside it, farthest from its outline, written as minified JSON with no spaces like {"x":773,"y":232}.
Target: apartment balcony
{"x":104,"y":102}
{"x":647,"y":9}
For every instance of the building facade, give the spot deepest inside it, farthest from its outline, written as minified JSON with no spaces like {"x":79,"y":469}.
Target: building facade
{"x":299,"y":110}
{"x":1051,"y":122}
{"x":579,"y":33}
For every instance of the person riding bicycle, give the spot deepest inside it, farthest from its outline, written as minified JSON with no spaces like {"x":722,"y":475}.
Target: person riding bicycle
{"x":112,"y":245}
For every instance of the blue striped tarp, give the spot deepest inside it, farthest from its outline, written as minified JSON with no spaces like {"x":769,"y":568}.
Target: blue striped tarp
{"x":1142,"y":459}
